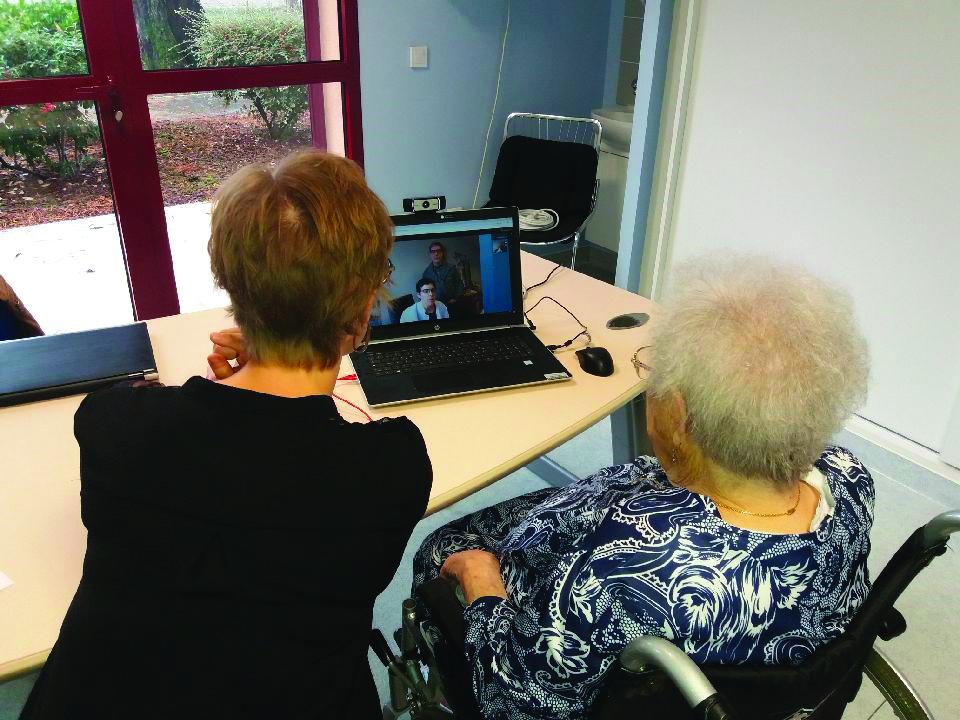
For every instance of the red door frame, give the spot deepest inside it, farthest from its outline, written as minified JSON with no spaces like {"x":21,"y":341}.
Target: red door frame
{"x":117,"y":82}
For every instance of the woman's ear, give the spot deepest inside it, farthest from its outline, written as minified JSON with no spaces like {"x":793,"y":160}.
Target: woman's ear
{"x":678,"y":418}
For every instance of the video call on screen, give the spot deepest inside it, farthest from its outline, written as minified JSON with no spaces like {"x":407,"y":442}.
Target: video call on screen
{"x":446,"y":277}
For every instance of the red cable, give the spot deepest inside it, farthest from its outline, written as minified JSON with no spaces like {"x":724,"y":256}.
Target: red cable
{"x":347,"y":377}
{"x":356,"y":407}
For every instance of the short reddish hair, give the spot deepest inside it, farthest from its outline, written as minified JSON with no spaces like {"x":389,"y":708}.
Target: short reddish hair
{"x":299,"y":248}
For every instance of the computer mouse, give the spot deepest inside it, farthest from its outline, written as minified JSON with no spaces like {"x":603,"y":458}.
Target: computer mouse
{"x":595,"y":361}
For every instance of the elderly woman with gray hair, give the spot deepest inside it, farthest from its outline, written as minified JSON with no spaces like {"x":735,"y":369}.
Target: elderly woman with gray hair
{"x":744,"y":541}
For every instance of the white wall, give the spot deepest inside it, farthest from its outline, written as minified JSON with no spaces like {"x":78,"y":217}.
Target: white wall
{"x":828,"y":133}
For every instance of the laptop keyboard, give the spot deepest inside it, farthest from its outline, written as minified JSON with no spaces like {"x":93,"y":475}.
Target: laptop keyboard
{"x":429,"y":357}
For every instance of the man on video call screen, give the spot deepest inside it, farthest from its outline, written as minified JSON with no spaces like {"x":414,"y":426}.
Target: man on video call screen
{"x":427,"y":306}
{"x":441,"y":277}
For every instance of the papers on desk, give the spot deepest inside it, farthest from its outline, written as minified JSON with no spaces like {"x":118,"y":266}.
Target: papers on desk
{"x":5,"y":582}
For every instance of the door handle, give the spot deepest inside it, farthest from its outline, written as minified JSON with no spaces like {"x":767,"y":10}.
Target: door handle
{"x":106,"y":93}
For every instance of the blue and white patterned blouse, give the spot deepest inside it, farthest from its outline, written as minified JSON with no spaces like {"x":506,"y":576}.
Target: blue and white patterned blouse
{"x":624,"y":553}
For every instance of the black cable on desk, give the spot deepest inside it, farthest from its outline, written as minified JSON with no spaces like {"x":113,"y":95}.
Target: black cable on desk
{"x":568,"y":343}
{"x":544,"y":282}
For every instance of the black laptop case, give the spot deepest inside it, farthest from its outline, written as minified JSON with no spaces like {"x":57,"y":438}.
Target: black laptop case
{"x":55,"y":365}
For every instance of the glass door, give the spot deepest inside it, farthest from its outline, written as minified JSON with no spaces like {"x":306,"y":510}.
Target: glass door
{"x":60,"y":248}
{"x":186,"y":91}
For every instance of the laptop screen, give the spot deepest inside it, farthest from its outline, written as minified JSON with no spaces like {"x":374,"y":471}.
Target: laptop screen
{"x":454,"y":270}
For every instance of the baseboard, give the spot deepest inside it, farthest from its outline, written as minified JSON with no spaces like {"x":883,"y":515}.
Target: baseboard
{"x":903,"y":448}
{"x":597,"y":261}
{"x":599,"y":252}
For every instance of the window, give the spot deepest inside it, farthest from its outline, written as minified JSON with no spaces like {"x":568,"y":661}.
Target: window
{"x":119,"y":120}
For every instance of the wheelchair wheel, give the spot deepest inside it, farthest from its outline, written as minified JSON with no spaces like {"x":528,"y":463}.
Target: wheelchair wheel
{"x":891,"y":683}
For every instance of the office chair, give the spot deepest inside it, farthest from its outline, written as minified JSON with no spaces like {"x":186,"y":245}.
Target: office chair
{"x":654,"y":679}
{"x":548,"y":162}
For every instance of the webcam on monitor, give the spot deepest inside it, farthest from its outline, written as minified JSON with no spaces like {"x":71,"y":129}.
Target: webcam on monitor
{"x":425,"y":204}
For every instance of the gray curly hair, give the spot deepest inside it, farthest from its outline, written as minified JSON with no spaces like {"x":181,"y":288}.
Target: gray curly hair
{"x":768,"y":359}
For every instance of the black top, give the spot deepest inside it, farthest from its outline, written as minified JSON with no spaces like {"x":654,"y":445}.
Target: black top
{"x":236,"y":544}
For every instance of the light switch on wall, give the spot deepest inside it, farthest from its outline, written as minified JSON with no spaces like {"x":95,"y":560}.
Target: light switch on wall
{"x":418,"y":56}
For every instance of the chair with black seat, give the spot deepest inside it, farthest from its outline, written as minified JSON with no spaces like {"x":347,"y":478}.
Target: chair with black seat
{"x":548,"y":162}
{"x":649,"y":681}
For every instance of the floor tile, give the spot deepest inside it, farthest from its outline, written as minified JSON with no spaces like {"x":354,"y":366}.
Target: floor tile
{"x":865,"y":704}
{"x":587,"y":452}
{"x":903,"y":471}
{"x":931,"y":604}
{"x":884,"y":713}
{"x":14,"y":694}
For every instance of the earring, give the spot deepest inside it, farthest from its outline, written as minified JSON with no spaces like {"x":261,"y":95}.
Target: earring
{"x":365,"y":342}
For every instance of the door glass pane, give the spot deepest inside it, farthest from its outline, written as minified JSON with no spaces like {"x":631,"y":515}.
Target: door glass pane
{"x":59,"y":244}
{"x":40,"y":38}
{"x":201,"y":138}
{"x":235,"y":33}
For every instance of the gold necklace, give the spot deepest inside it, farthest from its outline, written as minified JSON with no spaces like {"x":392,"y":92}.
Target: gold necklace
{"x":791,"y":511}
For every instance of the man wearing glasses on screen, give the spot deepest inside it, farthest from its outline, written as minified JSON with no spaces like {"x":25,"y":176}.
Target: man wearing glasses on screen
{"x":427,"y":306}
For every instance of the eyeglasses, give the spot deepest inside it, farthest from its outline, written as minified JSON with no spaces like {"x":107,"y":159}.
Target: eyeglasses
{"x":388,"y":273}
{"x":637,"y":363}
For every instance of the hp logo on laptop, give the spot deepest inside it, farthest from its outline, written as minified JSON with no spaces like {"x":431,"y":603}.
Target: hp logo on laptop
{"x":436,"y":327}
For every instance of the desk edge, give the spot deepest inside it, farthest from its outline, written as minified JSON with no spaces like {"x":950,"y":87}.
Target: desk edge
{"x":22,"y":666}
{"x":468,"y":488}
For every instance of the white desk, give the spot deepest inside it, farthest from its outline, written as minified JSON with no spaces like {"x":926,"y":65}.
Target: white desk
{"x":473,"y":441}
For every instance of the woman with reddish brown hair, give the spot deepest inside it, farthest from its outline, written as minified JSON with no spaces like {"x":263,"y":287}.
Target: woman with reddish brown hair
{"x":226,"y":517}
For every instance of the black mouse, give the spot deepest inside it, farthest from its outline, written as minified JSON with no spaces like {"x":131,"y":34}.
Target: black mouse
{"x":596,"y":361}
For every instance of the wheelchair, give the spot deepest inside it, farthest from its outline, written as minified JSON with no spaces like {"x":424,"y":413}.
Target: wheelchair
{"x":655,"y":679}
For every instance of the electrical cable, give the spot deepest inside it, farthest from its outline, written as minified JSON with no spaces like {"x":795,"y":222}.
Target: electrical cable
{"x":542,"y":282}
{"x":568,"y":343}
{"x":496,"y":97}
{"x":355,"y":407}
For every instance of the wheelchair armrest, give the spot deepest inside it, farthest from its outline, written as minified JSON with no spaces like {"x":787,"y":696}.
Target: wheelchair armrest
{"x":893,"y":626}
{"x":689,"y":679}
{"x":939,"y":529}
{"x":445,"y":607}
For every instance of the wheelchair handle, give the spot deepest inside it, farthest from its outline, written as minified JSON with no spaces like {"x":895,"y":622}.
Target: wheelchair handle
{"x":938,"y":530}
{"x":696,"y":689}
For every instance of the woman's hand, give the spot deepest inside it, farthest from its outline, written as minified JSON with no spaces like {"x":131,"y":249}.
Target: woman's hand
{"x":478,"y":573}
{"x":228,"y":345}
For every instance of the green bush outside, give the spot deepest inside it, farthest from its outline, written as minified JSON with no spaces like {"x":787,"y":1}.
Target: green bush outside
{"x":43,"y":39}
{"x":232,"y":37}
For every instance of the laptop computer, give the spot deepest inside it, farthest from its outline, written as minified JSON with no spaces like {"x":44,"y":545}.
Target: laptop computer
{"x":454,"y":321}
{"x":51,"y":366}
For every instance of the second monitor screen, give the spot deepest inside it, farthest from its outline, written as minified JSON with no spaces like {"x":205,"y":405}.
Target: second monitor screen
{"x":446,"y":277}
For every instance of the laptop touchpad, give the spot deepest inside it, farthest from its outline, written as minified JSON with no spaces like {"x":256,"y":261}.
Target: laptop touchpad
{"x":447,"y":381}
